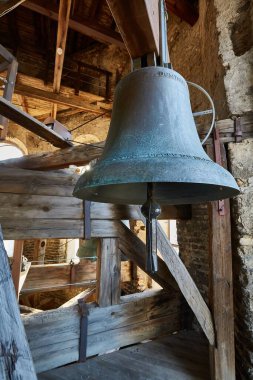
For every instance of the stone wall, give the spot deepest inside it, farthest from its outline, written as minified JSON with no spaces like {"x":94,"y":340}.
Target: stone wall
{"x":194,"y":54}
{"x":234,"y":22}
{"x":241,"y":163}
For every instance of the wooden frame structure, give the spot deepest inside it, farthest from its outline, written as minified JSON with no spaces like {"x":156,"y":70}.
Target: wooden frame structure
{"x":61,"y":347}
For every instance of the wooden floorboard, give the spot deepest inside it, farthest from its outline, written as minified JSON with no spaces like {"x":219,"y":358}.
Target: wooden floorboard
{"x":183,"y":356}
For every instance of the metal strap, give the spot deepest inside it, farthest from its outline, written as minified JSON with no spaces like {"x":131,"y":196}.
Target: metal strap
{"x":87,"y":221}
{"x":218,"y":160}
{"x":238,"y":129}
{"x":84,"y":312}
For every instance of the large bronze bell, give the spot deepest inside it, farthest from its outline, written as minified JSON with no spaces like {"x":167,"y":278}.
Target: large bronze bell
{"x":153,"y":139}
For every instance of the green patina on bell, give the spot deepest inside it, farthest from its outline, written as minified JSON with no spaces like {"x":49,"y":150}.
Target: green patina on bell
{"x":153,"y":139}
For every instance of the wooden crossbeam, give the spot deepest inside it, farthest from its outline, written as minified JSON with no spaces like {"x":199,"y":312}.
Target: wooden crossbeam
{"x":7,"y":6}
{"x":87,"y":28}
{"x":63,"y":21}
{"x":48,"y":96}
{"x":8,"y":93}
{"x":139,"y":316}
{"x":137,"y":21}
{"x":77,"y":155}
{"x":185,"y":283}
{"x":19,"y":117}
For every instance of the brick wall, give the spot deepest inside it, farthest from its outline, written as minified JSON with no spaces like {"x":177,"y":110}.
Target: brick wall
{"x":55,"y":250}
{"x":193,"y":241}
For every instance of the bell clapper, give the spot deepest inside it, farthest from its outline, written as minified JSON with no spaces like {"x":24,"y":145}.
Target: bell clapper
{"x":151,"y":210}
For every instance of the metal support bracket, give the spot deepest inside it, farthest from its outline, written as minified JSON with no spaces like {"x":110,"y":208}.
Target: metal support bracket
{"x":218,"y":160}
{"x":87,"y":220}
{"x":238,"y":129}
{"x":84,"y":312}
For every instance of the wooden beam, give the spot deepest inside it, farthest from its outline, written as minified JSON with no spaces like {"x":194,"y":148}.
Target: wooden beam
{"x":108,"y":272}
{"x":8,"y":110}
{"x":6,"y":54}
{"x":140,"y":316}
{"x":49,"y":277}
{"x":138,"y":23}
{"x":7,"y":94}
{"x":87,"y":28}
{"x":16,"y":264}
{"x":63,"y":21}
{"x":83,"y":295}
{"x":15,"y":357}
{"x":221,"y":287}
{"x":23,"y":276}
{"x":186,"y":284}
{"x":135,"y":250}
{"x":77,"y":155}
{"x":177,"y":270}
{"x":7,"y":6}
{"x":47,"y":96}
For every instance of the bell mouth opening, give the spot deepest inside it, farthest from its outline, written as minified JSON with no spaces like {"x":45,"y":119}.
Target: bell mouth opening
{"x":172,"y":193}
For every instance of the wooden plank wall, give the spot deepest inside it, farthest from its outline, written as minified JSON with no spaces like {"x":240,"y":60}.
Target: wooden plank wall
{"x":54,"y":335}
{"x":37,"y":205}
{"x":41,"y":278}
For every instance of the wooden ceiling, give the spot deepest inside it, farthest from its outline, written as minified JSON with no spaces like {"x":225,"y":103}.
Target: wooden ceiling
{"x":44,"y":35}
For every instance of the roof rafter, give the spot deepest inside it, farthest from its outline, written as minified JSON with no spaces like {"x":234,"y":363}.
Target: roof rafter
{"x":63,"y":22}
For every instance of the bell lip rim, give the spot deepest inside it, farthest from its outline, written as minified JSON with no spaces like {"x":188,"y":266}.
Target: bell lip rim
{"x":236,"y":191}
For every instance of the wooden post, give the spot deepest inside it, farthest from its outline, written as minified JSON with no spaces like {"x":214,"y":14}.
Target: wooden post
{"x":15,"y":357}
{"x":8,"y":92}
{"x":108,"y":272}
{"x":16,"y":264}
{"x":221,"y":288}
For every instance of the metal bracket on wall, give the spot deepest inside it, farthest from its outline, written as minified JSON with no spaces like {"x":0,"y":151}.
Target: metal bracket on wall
{"x":84,"y":312}
{"x":218,"y":160}
{"x":87,"y":221}
{"x":238,"y":129}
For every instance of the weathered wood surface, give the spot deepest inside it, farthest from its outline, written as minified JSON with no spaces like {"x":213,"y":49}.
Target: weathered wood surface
{"x":186,"y":285}
{"x":83,"y":295}
{"x":108,"y":272}
{"x":63,"y":22}
{"x":16,"y":264}
{"x":15,"y":357}
{"x":182,"y":356}
{"x":58,"y":276}
{"x":7,"y":93}
{"x":77,"y":155}
{"x":222,"y":358}
{"x":54,"y":335}
{"x":135,"y":250}
{"x":85,"y":27}
{"x":185,"y":282}
{"x":38,"y":205}
{"x":23,"y":276}
{"x":7,"y":6}
{"x":138,"y":23}
{"x":226,"y":129}
{"x":11,"y":112}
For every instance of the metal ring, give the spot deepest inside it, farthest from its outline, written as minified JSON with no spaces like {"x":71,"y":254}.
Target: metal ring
{"x":212,"y":105}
